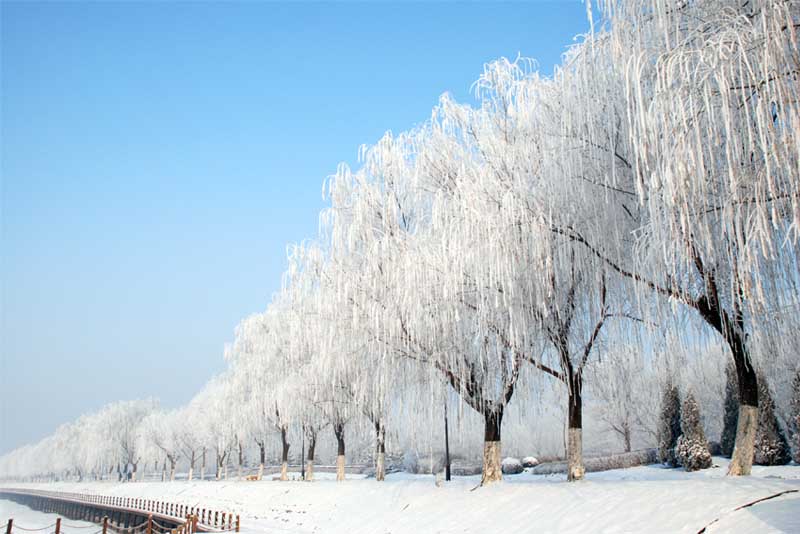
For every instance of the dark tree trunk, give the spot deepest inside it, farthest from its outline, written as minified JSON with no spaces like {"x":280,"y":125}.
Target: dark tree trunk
{"x":575,"y":469}
{"x":338,"y":430}
{"x":284,"y":454}
{"x":492,"y":468}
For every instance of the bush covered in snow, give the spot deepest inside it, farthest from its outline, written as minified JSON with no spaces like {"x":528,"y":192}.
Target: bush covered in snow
{"x":512,"y":466}
{"x":530,"y":461}
{"x":601,"y":463}
{"x":794,"y":415}
{"x":772,"y":448}
{"x":730,"y":411}
{"x":669,"y":425}
{"x":691,"y":450}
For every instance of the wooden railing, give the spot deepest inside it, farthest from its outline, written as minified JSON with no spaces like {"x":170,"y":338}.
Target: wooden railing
{"x":205,"y":519}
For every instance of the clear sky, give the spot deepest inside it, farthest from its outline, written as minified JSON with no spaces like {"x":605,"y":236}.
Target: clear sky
{"x":157,"y":158}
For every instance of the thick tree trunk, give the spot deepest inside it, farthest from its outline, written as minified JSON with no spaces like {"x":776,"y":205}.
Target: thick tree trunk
{"x":744,"y":446}
{"x":743,"y":451}
{"x":172,"y":469}
{"x":492,"y":467}
{"x":284,"y":455}
{"x":575,"y":469}
{"x":310,"y":459}
{"x":380,"y":461}
{"x":338,"y":429}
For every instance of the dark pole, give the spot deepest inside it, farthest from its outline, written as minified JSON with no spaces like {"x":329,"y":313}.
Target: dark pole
{"x":446,"y":446}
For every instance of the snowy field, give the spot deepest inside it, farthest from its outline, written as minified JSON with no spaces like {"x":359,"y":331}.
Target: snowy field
{"x":642,"y":499}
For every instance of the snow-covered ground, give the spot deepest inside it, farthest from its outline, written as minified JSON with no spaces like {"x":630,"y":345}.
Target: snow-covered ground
{"x":641,"y":499}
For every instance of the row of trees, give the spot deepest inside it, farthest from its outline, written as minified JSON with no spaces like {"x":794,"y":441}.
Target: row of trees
{"x":649,"y":189}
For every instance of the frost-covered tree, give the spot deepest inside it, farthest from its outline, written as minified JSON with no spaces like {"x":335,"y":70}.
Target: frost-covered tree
{"x":625,"y":387}
{"x":771,"y":446}
{"x":669,"y":424}
{"x":162,"y":430}
{"x":691,"y":449}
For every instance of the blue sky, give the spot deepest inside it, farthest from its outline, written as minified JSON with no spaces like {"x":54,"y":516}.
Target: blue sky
{"x":157,"y":158}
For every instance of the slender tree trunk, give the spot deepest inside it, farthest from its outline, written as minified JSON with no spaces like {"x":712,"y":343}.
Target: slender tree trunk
{"x":135,"y":469}
{"x":241,"y":458}
{"x":338,"y":430}
{"x":284,"y":455}
{"x":172,"y":469}
{"x":575,"y":469}
{"x":626,"y":436}
{"x":262,"y":458}
{"x":380,"y":460}
{"x":492,"y":468}
{"x":192,"y":461}
{"x":312,"y":442}
{"x":203,"y":465}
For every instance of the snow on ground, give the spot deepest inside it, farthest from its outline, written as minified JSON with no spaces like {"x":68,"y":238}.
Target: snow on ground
{"x":29,"y":519}
{"x":641,"y":499}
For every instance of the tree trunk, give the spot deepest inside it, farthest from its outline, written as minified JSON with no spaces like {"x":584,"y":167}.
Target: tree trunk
{"x":626,"y":436}
{"x":192,"y":461}
{"x":575,"y":469}
{"x":241,"y":458}
{"x":338,"y":429}
{"x":732,"y":329}
{"x":380,"y":460}
{"x":172,"y":462}
{"x":203,"y":466}
{"x":284,"y":455}
{"x":492,"y":467}
{"x":262,"y":457}
{"x":312,"y":442}
{"x":744,"y":446}
{"x":135,"y":469}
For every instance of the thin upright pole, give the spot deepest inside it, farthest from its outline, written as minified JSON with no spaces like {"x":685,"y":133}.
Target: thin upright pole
{"x":446,"y":445}
{"x":105,"y":524}
{"x":9,"y":525}
{"x":58,"y":525}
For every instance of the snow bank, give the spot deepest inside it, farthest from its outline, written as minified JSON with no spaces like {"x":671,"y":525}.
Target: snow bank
{"x":640,"y":499}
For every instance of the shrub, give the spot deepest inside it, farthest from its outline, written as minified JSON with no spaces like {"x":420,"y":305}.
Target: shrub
{"x":691,"y":450}
{"x":511,"y":466}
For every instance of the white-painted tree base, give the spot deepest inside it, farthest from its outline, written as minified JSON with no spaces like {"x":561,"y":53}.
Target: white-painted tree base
{"x":746,"y":428}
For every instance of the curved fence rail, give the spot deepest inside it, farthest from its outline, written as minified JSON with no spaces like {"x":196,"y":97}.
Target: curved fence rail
{"x":199,"y":518}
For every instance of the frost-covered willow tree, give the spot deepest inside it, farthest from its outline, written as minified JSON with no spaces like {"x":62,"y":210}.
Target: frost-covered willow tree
{"x":261,"y":366}
{"x":710,"y":119}
{"x":163,"y":432}
{"x":625,"y":387}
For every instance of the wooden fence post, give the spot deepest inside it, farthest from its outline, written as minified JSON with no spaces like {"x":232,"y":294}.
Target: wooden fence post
{"x":58,"y":525}
{"x":150,"y":524}
{"x":9,"y":525}
{"x":237,"y":523}
{"x":105,"y":524}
